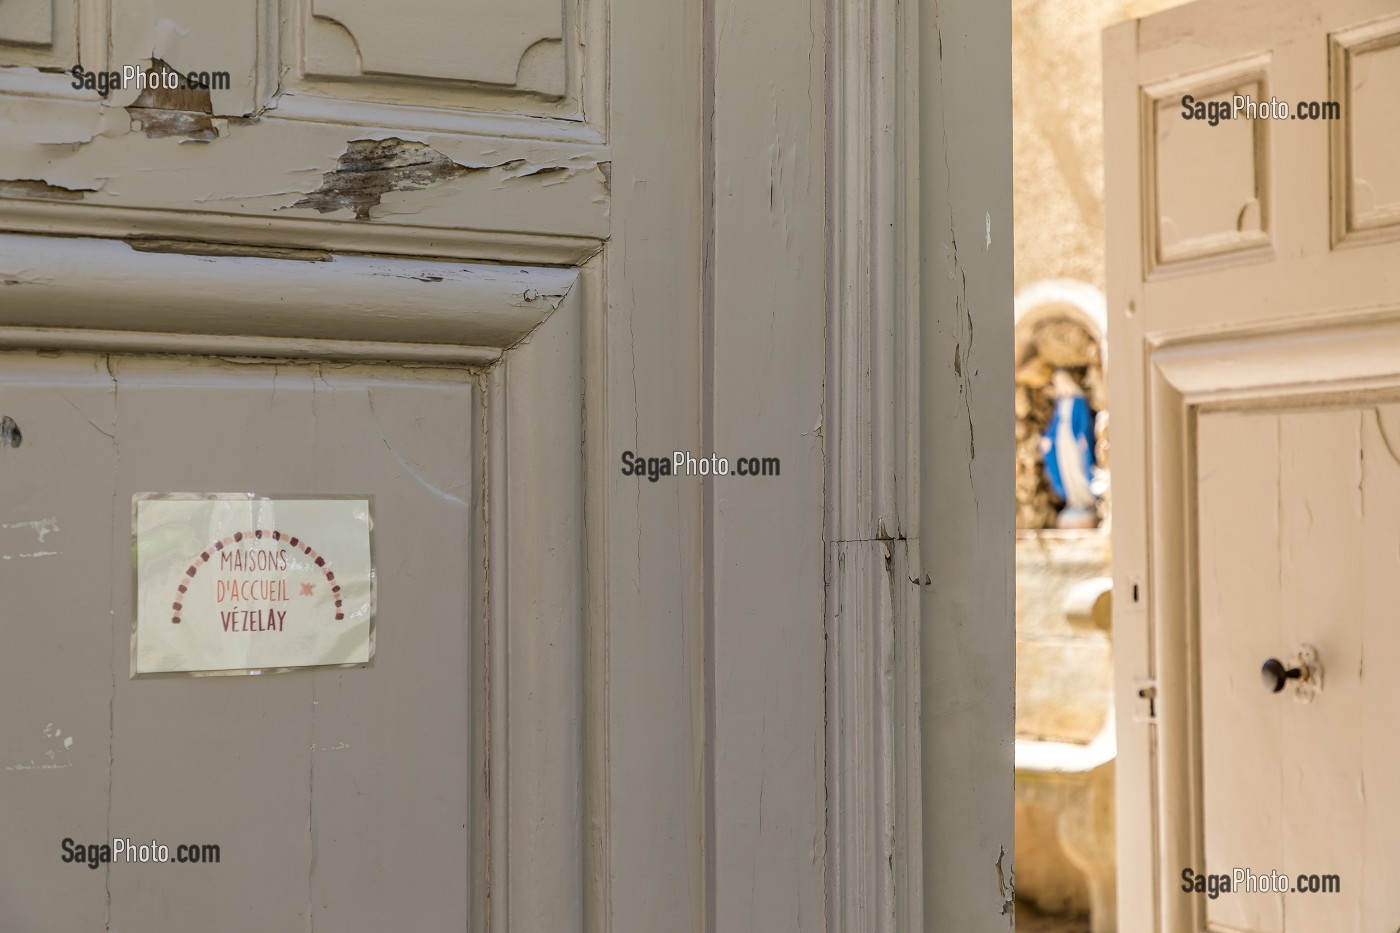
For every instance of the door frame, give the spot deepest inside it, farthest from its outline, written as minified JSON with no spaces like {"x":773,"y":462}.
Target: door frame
{"x":920,"y":633}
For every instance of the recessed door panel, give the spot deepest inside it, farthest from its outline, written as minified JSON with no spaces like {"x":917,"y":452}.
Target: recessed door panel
{"x":341,"y":798}
{"x":1299,"y":562}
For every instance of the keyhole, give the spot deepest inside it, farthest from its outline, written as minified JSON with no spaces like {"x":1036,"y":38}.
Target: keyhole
{"x":10,"y":435}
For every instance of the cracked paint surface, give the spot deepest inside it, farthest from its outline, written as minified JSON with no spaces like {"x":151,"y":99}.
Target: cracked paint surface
{"x":371,"y":168}
{"x":202,"y":154}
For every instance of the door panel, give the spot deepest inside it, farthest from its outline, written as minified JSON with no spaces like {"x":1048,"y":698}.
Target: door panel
{"x":1245,"y":516}
{"x":1282,"y":527}
{"x":376,"y":770}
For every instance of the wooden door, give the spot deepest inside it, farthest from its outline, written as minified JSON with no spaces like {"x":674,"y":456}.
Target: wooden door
{"x":1253,"y":340}
{"x":460,"y":257}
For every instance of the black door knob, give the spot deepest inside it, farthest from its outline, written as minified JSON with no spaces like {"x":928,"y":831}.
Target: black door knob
{"x":1275,"y":676}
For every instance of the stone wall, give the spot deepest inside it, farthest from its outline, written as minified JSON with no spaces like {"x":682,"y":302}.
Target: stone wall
{"x":1064,"y":690}
{"x":1064,"y":675}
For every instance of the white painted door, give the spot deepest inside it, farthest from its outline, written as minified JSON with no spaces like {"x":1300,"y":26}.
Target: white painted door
{"x":593,"y":228}
{"x":1254,"y":351}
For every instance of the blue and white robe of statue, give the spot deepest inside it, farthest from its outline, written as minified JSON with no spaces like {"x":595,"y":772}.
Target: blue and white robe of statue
{"x":1069,"y":459}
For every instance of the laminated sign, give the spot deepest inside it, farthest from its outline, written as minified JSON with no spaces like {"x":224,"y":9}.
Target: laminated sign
{"x":237,"y":582}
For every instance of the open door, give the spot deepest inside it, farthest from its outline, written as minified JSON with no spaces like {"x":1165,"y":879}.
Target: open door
{"x":1256,"y":363}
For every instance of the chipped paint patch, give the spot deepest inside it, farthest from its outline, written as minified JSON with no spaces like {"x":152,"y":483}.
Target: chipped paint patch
{"x":1007,"y":889}
{"x":38,"y":188}
{"x":192,"y":127}
{"x":51,"y":760}
{"x":371,"y":168}
{"x":200,"y":248}
{"x":11,"y":436}
{"x":43,"y":527}
{"x":183,"y":111}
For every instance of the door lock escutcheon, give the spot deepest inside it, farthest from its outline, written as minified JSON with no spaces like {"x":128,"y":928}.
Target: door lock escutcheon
{"x":1303,"y":667}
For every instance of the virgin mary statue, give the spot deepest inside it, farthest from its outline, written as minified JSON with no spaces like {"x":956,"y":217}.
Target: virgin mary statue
{"x":1068,"y":448}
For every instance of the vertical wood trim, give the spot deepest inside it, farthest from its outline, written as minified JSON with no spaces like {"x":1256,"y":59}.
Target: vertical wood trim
{"x":538,"y":621}
{"x":710,"y":10}
{"x":764,"y":364}
{"x":1135,"y":784}
{"x":597,"y":890}
{"x":966,"y":527}
{"x":651,"y":531}
{"x":873,"y":844}
{"x":1169,"y":493}
{"x":496,"y":428}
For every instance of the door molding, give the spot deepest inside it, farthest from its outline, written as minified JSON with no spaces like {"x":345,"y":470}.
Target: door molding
{"x":208,"y":231}
{"x":873,"y":870}
{"x":1327,"y":358}
{"x":382,"y":308}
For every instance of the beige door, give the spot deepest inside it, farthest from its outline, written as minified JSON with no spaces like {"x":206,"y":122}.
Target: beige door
{"x":1299,"y":532}
{"x":1254,"y":339}
{"x":460,"y":257}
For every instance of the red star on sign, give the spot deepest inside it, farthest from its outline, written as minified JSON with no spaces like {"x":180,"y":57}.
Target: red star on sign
{"x":308,"y":589}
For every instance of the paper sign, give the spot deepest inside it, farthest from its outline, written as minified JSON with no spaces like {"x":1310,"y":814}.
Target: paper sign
{"x":229,"y":582}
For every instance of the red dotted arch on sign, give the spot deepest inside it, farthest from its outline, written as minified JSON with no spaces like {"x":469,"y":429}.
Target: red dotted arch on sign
{"x":236,"y":538}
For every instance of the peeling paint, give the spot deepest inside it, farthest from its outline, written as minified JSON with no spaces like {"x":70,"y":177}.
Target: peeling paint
{"x":38,"y":188}
{"x":10,"y":436}
{"x":1007,"y":889}
{"x":200,"y":248}
{"x":371,"y":168}
{"x":185,"y":112}
{"x":540,"y":172}
{"x":191,"y":126}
